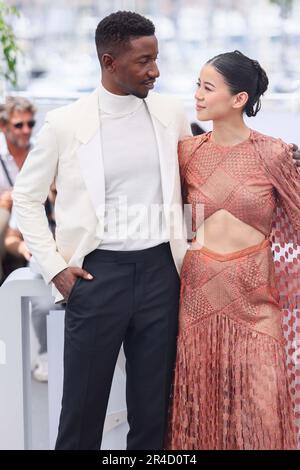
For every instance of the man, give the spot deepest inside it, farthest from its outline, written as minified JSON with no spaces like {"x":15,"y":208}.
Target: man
{"x":16,"y":123}
{"x":17,"y":120}
{"x":117,"y":143}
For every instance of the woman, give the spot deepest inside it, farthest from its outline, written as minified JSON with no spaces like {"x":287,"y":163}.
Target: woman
{"x":231,"y":388}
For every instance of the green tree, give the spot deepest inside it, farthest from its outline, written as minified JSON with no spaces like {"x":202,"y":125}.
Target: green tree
{"x":8,"y":44}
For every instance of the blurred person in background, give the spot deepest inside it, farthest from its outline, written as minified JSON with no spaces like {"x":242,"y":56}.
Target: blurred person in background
{"x":16,"y":123}
{"x":235,"y":386}
{"x":17,"y":120}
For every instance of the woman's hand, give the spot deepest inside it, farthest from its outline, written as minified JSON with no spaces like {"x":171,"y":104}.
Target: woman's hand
{"x":295,"y":153}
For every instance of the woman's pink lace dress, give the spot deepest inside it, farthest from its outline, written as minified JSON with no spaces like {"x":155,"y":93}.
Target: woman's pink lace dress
{"x":237,"y":382}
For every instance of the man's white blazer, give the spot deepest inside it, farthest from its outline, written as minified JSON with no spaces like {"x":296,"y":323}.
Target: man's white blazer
{"x":68,"y":153}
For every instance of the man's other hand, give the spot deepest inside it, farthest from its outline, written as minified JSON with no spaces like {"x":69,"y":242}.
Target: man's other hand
{"x":295,"y":154}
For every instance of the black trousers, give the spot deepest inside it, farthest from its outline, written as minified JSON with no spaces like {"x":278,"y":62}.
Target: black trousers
{"x":133,"y":299}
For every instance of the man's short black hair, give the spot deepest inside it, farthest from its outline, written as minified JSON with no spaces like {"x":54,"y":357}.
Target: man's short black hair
{"x":115,"y":31}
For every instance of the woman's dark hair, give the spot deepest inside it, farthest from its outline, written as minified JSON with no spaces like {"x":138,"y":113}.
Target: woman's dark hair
{"x":114,"y":32}
{"x":242,"y":74}
{"x":196,"y":129}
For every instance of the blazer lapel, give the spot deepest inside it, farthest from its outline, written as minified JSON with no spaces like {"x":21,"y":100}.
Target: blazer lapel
{"x":166,"y":143}
{"x":89,"y":152}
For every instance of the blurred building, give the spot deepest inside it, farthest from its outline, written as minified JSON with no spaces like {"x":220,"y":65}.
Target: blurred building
{"x":57,"y":37}
{"x":59,"y":59}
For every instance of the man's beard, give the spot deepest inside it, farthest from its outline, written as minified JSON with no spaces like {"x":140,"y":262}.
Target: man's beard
{"x":22,"y":144}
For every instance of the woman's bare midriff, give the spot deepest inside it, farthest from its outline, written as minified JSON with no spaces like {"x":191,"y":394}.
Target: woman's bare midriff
{"x":223,"y":233}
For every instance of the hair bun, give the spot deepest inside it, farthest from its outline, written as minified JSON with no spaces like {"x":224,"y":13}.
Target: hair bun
{"x":256,"y":65}
{"x":262,"y":79}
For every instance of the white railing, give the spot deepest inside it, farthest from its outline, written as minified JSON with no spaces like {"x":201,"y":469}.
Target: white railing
{"x":15,"y":370}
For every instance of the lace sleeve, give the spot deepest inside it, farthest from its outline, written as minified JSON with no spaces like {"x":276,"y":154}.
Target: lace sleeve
{"x":285,"y":238}
{"x":284,"y":176}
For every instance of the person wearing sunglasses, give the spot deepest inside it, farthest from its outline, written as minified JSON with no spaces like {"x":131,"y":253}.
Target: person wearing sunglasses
{"x":17,"y":120}
{"x":16,"y":123}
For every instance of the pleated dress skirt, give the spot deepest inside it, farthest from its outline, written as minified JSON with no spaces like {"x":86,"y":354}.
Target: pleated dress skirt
{"x":230,"y":387}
